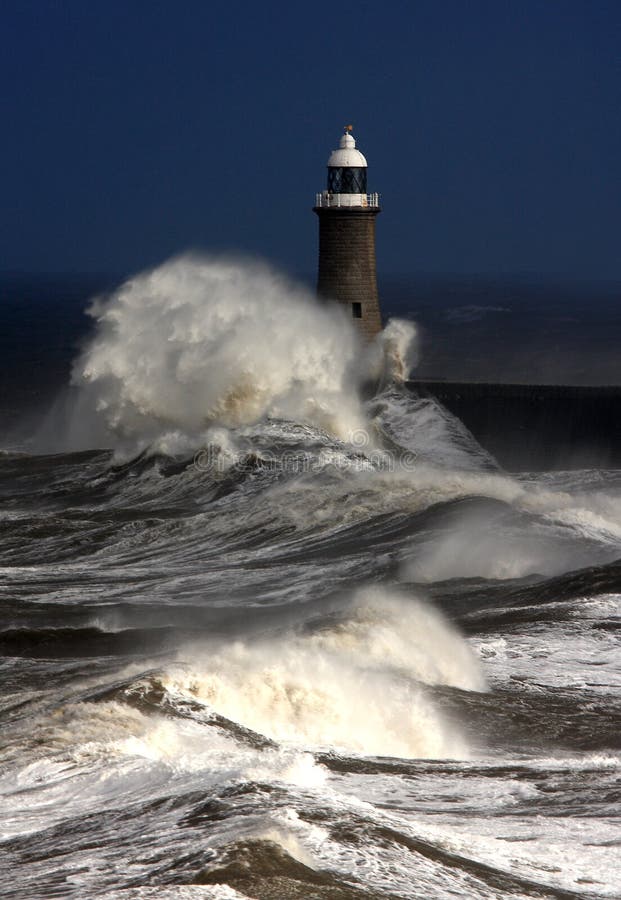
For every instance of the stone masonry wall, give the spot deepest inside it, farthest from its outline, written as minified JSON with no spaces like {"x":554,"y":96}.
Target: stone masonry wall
{"x":347,"y":267}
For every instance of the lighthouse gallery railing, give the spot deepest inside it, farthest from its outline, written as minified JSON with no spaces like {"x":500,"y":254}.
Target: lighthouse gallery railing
{"x":326,"y":199}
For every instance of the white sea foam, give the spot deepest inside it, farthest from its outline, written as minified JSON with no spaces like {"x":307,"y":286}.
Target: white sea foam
{"x":351,"y":684}
{"x":351,"y":680}
{"x":399,"y":344}
{"x":570,"y":655}
{"x":202,"y":341}
{"x":428,"y":431}
{"x":178,"y":892}
{"x":478,"y":544}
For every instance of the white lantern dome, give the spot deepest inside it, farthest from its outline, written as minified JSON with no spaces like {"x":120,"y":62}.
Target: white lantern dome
{"x":347,"y":157}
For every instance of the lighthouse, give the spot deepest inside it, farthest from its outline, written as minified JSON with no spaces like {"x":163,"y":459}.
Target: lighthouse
{"x":347,"y":268}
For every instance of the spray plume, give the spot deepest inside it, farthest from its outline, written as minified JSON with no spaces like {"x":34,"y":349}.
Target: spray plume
{"x":202,"y":341}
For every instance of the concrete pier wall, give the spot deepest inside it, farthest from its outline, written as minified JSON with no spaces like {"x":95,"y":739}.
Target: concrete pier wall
{"x":537,"y":427}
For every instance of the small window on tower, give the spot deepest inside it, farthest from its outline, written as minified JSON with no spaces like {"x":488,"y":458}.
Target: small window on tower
{"x":356,"y":309}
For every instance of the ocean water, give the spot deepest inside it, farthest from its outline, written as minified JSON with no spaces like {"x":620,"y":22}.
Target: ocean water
{"x":274,"y":626}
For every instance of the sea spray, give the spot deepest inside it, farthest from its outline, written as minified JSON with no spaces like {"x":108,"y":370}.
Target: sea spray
{"x":353,"y":680}
{"x":202,"y":341}
{"x":399,"y":346}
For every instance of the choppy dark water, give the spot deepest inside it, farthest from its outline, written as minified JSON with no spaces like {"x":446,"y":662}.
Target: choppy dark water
{"x":288,"y":665}
{"x":344,"y":677}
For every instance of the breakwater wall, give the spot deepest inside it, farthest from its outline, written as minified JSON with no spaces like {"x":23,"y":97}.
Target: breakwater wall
{"x":537,"y":427}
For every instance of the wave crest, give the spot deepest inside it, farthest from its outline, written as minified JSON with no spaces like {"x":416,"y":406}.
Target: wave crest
{"x":200,"y":341}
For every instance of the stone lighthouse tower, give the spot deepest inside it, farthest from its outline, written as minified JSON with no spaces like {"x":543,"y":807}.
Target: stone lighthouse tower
{"x":347,"y":270}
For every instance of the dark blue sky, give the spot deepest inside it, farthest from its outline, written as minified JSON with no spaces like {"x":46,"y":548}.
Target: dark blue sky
{"x":133,"y":130}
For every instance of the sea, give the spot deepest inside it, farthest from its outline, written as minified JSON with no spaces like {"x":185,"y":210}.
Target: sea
{"x":273,"y":623}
